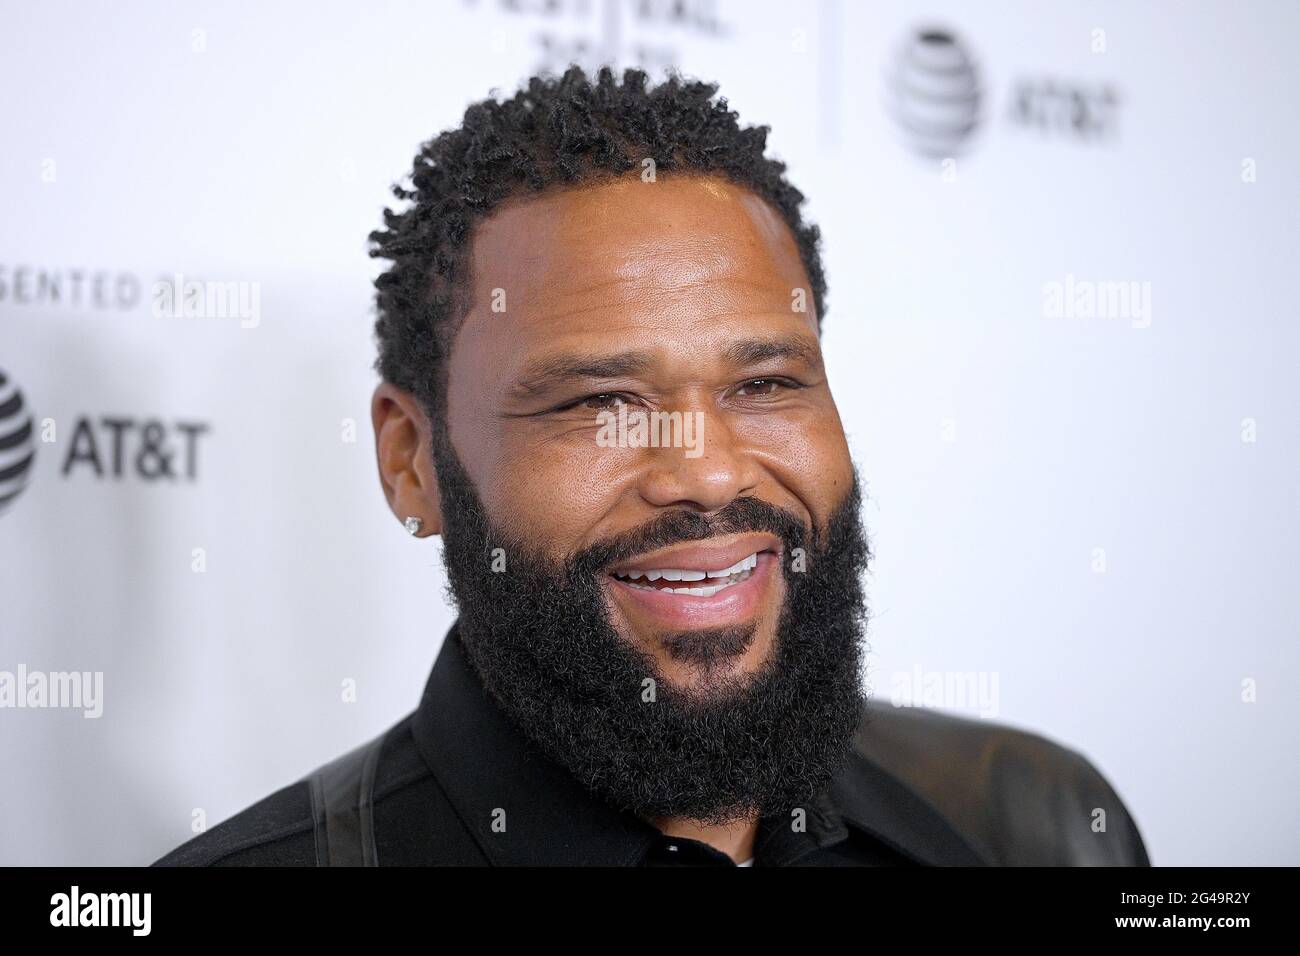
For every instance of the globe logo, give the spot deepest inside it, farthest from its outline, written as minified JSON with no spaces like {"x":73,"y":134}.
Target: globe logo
{"x":17,"y":442}
{"x":933,"y":93}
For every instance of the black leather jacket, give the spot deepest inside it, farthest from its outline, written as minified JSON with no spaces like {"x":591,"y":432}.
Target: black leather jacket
{"x":1016,"y":798}
{"x":920,"y":787}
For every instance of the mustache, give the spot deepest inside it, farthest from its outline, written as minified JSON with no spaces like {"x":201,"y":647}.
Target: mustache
{"x":673,"y":527}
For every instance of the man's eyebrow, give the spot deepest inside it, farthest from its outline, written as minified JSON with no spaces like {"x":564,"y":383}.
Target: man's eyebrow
{"x":556,"y":370}
{"x":753,"y":351}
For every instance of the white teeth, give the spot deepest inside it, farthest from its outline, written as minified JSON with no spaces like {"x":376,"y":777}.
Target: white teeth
{"x":707,"y":590}
{"x":674,"y":574}
{"x":744,"y":564}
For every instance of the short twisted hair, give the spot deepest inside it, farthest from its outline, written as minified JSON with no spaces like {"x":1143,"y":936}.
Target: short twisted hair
{"x":554,"y":132}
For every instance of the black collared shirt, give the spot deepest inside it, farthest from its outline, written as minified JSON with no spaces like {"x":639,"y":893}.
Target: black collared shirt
{"x":457,"y":783}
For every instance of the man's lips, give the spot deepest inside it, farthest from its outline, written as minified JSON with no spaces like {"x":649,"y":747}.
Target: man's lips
{"x":715,"y":557}
{"x":695,"y":583}
{"x":701,"y":584}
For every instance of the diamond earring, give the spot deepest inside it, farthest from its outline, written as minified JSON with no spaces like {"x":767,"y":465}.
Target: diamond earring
{"x":412,"y":524}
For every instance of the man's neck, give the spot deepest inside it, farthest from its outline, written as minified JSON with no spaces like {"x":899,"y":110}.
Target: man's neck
{"x":734,"y":839}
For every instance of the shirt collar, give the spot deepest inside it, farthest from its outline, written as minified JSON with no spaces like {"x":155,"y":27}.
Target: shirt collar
{"x":524,"y":809}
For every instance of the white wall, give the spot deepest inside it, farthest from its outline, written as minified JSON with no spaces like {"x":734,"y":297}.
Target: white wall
{"x":1002,"y":447}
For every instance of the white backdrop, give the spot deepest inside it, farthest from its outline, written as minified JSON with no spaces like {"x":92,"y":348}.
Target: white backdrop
{"x":1096,"y":516}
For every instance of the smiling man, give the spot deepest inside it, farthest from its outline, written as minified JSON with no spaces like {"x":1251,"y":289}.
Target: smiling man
{"x":604,"y":388}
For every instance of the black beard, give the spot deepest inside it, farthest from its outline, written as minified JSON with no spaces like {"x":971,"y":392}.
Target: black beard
{"x":540,"y":639}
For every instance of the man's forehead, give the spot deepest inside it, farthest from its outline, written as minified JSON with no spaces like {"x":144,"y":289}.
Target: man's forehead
{"x":626,"y":240}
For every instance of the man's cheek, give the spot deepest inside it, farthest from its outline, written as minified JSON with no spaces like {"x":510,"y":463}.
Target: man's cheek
{"x":546,"y":509}
{"x":821,"y":466}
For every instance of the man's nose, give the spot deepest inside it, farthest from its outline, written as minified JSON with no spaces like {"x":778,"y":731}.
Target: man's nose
{"x":707,"y":473}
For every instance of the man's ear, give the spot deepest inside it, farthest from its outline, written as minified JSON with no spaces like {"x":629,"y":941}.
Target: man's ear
{"x":403,"y":451}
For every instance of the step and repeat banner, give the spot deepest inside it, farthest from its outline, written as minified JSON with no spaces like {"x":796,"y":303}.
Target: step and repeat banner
{"x":1060,"y":242}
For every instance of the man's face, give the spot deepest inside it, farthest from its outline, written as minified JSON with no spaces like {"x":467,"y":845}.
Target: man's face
{"x":686,"y":295}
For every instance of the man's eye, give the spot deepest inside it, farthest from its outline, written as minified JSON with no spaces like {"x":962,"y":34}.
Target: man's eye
{"x":605,"y":401}
{"x":761,"y":388}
